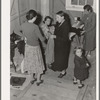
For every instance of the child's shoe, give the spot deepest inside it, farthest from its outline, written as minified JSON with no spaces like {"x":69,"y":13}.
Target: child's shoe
{"x":74,"y":81}
{"x":80,"y":86}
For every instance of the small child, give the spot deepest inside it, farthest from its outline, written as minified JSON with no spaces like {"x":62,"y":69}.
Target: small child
{"x":49,"y":53}
{"x":81,"y":67}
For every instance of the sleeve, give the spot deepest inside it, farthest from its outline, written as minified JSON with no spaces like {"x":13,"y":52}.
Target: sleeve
{"x":83,"y":19}
{"x":18,"y":31}
{"x":93,"y":23}
{"x":65,"y":32}
{"x":39,"y":35}
{"x":78,"y":63}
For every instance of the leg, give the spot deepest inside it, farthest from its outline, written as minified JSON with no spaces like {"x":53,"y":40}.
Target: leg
{"x":74,"y":80}
{"x":88,"y":53}
{"x":33,"y":78}
{"x":80,"y":85}
{"x":39,"y":81}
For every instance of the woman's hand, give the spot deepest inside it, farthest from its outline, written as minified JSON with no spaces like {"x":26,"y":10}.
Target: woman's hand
{"x":82,"y":32}
{"x":17,"y":41}
{"x":71,"y":35}
{"x":53,"y":36}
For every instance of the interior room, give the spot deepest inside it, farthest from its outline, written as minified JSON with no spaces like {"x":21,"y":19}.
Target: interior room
{"x":52,"y":86}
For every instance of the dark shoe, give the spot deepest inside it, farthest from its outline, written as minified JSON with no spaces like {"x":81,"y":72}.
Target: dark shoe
{"x":38,"y":83}
{"x":32,"y":82}
{"x":61,"y":75}
{"x":80,"y":86}
{"x":74,"y":82}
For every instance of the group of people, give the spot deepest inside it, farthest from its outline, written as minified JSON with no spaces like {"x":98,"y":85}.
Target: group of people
{"x":56,"y":42}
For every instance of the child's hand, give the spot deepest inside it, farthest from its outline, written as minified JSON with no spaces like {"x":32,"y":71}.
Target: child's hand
{"x":87,"y":64}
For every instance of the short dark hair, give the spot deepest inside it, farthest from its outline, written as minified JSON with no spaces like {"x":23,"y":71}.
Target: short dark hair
{"x":30,"y":14}
{"x":76,"y":48}
{"x":48,"y":17}
{"x":88,"y":8}
{"x":61,"y":13}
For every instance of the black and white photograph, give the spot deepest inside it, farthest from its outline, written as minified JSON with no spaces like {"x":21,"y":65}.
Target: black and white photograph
{"x":51,"y":50}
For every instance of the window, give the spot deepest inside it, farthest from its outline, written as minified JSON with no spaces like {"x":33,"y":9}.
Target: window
{"x":77,"y":5}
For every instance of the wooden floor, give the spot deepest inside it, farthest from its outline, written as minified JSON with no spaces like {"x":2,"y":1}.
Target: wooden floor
{"x":54,"y":88}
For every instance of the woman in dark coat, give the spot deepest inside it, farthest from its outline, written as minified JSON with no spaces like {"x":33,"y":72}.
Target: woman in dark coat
{"x":89,"y":21}
{"x":62,"y":43}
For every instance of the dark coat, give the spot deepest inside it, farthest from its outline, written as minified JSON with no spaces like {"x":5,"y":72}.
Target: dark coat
{"x":61,"y":46}
{"x":80,"y":70}
{"x":90,"y":34}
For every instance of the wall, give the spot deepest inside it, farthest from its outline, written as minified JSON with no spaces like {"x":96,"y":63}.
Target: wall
{"x":57,"y":5}
{"x":18,"y":9}
{"x":17,"y":13}
{"x":44,"y":7}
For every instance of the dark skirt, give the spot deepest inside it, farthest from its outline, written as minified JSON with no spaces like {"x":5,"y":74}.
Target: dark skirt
{"x":61,"y":55}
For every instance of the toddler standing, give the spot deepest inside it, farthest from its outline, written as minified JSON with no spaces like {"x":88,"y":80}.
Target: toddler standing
{"x":81,"y":67}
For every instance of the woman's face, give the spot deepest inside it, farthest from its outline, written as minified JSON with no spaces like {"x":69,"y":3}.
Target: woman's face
{"x":85,"y":11}
{"x":48,"y":21}
{"x":59,"y":19}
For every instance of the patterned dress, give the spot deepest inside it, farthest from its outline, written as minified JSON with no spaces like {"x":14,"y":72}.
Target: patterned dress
{"x":33,"y":61}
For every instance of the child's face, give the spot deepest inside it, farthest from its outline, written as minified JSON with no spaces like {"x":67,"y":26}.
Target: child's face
{"x":79,"y":52}
{"x":47,"y":22}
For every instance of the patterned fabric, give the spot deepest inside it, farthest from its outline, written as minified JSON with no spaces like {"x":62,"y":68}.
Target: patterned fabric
{"x":45,"y":30}
{"x":49,"y":53}
{"x":18,"y":58}
{"x":33,"y":61}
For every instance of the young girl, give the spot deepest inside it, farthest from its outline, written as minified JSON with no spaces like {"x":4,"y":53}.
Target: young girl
{"x":46,"y":26}
{"x":49,"y":53}
{"x":48,"y":31}
{"x":81,"y":67}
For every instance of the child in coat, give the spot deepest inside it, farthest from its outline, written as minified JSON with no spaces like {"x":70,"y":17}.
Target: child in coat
{"x":81,"y":67}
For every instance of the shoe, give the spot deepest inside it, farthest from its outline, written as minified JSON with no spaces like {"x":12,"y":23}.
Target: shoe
{"x":80,"y":86}
{"x":38,"y":83}
{"x":61,"y":75}
{"x":32,"y":82}
{"x":74,"y":82}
